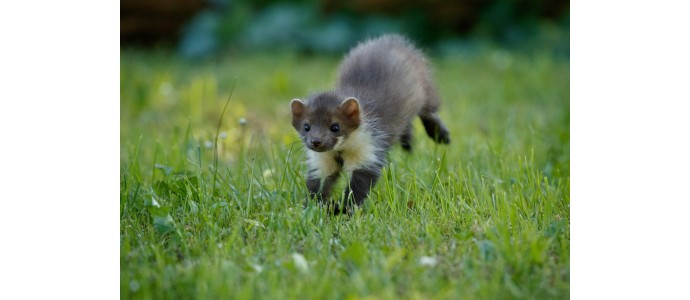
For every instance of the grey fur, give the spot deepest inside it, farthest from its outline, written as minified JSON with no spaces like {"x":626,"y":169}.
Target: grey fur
{"x":390,"y":79}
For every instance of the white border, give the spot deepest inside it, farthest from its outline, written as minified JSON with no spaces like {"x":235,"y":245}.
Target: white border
{"x":59,"y":116}
{"x":629,"y":150}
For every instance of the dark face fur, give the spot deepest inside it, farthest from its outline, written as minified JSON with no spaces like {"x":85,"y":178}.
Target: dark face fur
{"x":325,"y":120}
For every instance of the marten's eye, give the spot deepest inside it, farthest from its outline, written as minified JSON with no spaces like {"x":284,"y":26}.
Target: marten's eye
{"x":307,"y":127}
{"x":335,"y":128}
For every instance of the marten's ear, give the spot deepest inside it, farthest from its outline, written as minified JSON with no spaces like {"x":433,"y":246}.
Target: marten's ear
{"x":298,"y":107}
{"x":350,"y":108}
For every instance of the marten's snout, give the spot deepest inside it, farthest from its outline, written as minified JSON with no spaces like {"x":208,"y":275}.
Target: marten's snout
{"x":316,"y":142}
{"x":319,"y":144}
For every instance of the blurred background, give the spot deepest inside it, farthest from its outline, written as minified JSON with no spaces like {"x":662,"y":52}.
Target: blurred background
{"x":501,"y":67}
{"x":203,"y":28}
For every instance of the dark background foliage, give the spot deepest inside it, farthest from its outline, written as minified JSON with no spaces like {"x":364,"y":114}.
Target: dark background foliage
{"x":199,"y":28}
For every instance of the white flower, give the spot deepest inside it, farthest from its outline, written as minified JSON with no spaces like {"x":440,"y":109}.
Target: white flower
{"x":257,"y":268}
{"x":300,"y":262}
{"x":254,"y":222}
{"x":429,"y":261}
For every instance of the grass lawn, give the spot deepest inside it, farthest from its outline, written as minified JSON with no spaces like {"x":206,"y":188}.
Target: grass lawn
{"x":487,"y":217}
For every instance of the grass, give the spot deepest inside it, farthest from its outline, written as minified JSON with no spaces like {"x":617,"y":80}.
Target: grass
{"x":487,"y":217}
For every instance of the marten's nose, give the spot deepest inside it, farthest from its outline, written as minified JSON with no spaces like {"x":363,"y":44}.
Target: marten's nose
{"x":316,"y":142}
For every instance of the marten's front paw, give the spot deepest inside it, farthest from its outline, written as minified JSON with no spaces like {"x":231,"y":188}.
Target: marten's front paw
{"x":345,"y":209}
{"x":336,"y":209}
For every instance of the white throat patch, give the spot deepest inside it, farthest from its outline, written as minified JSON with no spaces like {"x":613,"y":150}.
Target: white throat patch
{"x":357,"y":151}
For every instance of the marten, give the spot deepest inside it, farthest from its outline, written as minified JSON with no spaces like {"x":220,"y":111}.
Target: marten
{"x":383,"y":83}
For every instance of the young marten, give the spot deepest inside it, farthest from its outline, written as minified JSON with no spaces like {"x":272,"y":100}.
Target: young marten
{"x":383,"y":84}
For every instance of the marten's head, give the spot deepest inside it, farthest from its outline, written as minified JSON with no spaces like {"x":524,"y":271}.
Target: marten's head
{"x":325,"y":120}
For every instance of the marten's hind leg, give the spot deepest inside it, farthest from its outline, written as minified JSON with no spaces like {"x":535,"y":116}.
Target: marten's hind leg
{"x":406,"y":138}
{"x":435,"y":129}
